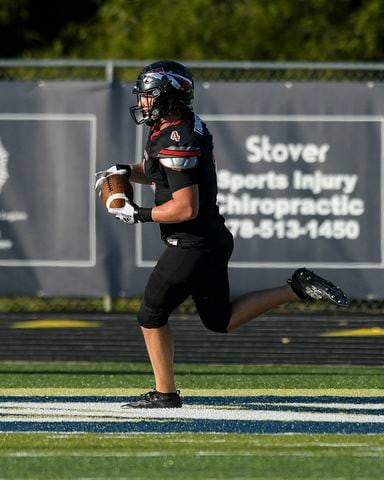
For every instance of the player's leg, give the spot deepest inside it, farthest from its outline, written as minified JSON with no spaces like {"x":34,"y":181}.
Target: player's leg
{"x":304,"y":284}
{"x":212,"y":301}
{"x":216,"y":311}
{"x":166,"y":290}
{"x":211,"y":293}
{"x":167,"y":287}
{"x":253,"y":304}
{"x":210,"y":286}
{"x":159,"y":344}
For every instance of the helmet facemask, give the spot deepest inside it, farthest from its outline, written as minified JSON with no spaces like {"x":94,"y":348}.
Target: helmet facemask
{"x":146,"y":112}
{"x":164,"y":91}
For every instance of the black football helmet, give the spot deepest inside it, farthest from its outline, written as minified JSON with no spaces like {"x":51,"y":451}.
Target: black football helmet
{"x":169,"y":87}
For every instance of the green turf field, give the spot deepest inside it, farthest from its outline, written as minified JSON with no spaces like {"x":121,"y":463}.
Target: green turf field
{"x":58,"y":455}
{"x":191,"y":456}
{"x":189,"y":376}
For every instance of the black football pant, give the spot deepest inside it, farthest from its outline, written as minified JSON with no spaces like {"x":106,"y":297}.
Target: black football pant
{"x":201,"y":272}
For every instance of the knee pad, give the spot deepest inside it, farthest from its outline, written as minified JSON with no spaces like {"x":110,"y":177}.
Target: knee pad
{"x":215,"y":324}
{"x":215,"y":316}
{"x":150,"y":318}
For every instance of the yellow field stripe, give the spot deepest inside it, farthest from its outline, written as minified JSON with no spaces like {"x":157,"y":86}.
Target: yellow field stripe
{"x":357,"y":332}
{"x":369,"y":392}
{"x":55,"y":323}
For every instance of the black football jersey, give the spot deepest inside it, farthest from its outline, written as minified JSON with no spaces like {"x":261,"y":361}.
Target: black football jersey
{"x":186,"y":144}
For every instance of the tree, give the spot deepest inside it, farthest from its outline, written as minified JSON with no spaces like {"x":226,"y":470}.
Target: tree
{"x":312,"y":30}
{"x":30,"y":27}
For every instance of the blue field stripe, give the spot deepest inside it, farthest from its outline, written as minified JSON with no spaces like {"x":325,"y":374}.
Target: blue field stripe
{"x":195,"y":426}
{"x":338,"y":415}
{"x":311,"y":409}
{"x":206,"y":400}
{"x":235,"y":400}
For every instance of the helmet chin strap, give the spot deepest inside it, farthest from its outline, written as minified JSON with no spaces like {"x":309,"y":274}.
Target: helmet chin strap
{"x":155,"y":114}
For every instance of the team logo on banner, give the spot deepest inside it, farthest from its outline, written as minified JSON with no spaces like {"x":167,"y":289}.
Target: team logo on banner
{"x":4,"y":175}
{"x":5,"y":243}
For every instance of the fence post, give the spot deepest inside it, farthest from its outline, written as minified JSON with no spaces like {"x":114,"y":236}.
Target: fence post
{"x":109,"y":71}
{"x":107,"y":303}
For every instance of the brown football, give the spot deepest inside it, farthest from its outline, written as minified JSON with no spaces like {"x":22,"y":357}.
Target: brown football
{"x":114,"y":188}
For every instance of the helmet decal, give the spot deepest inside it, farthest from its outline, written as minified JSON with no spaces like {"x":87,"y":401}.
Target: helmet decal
{"x":177,"y":81}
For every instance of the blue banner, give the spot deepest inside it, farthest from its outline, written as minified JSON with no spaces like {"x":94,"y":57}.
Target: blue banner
{"x":299,"y":175}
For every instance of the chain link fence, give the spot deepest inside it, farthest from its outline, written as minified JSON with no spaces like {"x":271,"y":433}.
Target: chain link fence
{"x":124,"y":71}
{"x":127,"y":70}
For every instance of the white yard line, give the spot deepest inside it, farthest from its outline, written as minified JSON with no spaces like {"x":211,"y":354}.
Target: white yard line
{"x":112,"y":412}
{"x":346,"y":406}
{"x":155,"y":454}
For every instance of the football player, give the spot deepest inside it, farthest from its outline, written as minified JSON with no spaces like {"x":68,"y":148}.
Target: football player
{"x":179,"y":162}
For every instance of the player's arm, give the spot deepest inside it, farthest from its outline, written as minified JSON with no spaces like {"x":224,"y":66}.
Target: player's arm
{"x":137,"y":174}
{"x":183,"y":206}
{"x":182,"y":178}
{"x":134,"y":172}
{"x":180,"y":166}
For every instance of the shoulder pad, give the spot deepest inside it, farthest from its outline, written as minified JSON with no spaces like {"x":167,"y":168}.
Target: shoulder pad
{"x":198,"y":127}
{"x":180,"y":163}
{"x":180,"y":151}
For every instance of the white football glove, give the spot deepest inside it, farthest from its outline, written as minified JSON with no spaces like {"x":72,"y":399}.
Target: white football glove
{"x":127,"y":214}
{"x":103,"y":174}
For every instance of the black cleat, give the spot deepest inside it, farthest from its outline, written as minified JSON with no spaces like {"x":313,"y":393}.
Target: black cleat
{"x":154,"y":399}
{"x":309,"y":286}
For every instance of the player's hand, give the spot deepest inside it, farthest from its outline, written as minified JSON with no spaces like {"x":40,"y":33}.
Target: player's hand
{"x":103,"y":174}
{"x":127,"y":214}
